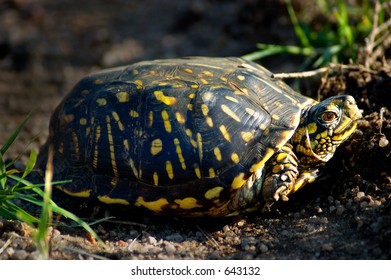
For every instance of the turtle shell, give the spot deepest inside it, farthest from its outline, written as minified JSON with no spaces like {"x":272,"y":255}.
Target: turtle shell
{"x":173,"y":136}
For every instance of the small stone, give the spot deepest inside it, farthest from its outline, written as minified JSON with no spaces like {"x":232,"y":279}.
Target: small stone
{"x":170,"y":249}
{"x":176,"y":237}
{"x":383,"y":142}
{"x":340,"y":210}
{"x":318,"y":209}
{"x":34,"y":256}
{"x":332,"y":208}
{"x":263,"y":248}
{"x":151,"y":240}
{"x":327,"y":247}
{"x":226,"y":229}
{"x":241,"y":223}
{"x":360,"y":194}
{"x":324,"y":220}
{"x":19,"y":255}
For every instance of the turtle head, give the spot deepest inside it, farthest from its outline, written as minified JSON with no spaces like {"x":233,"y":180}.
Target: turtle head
{"x":324,"y":127}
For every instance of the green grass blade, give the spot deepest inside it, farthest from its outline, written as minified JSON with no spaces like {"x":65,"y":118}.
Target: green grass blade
{"x":304,"y":41}
{"x":11,"y":211}
{"x":15,"y":134}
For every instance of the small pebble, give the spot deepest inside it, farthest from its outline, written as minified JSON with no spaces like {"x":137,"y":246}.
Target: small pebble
{"x":176,"y":237}
{"x":19,"y":255}
{"x":170,"y":249}
{"x":151,"y":240}
{"x":340,"y":210}
{"x":360,"y":195}
{"x":226,"y":229}
{"x":263,"y":248}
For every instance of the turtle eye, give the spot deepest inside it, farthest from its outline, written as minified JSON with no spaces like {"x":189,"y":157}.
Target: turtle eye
{"x":328,"y":116}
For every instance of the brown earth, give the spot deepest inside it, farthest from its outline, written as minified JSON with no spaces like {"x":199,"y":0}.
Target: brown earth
{"x":47,"y":46}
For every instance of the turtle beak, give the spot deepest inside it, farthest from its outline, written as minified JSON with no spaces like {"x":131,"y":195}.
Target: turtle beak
{"x":350,"y":109}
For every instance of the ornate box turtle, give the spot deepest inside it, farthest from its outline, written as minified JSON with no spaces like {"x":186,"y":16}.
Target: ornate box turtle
{"x":193,"y":136}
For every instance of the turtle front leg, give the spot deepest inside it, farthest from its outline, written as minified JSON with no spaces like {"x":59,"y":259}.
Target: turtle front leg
{"x":283,"y":177}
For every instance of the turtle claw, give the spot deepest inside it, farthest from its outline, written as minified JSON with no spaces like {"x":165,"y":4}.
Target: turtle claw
{"x":281,"y":192}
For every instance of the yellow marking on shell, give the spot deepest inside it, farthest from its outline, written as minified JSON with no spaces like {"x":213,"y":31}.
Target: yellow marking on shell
{"x":225,"y":133}
{"x":235,"y":158}
{"x":241,"y":77}
{"x":238,"y":181}
{"x":190,"y":107}
{"x":190,"y":135}
{"x":83,"y":121}
{"x":98,"y":81}
{"x":101,"y":101}
{"x":179,"y":153}
{"x":213,"y":193}
{"x":162,"y":84}
{"x":224,"y":79}
{"x":188,"y":70}
{"x":169,"y":169}
{"x":150,"y":119}
{"x":61,"y":148}
{"x":311,"y":128}
{"x":199,"y":145}
{"x":204,"y":109}
{"x":207,"y":73}
{"x":85,"y":92}
{"x":139,"y":83}
{"x":166,"y":120}
{"x":133,"y":167}
{"x":205,"y":82}
{"x":230,"y":98}
{"x":207,"y":96}
{"x":192,"y":95}
{"x":117,"y":119}
{"x":84,"y":193}
{"x":69,"y":118}
{"x":180,"y":118}
{"x":262,"y":126}
{"x":153,"y":72}
{"x":275,"y":117}
{"x":168,"y":100}
{"x":187,"y":203}
{"x":209,"y":121}
{"x":247,"y":136}
{"x":212,"y":172}
{"x":217,"y":153}
{"x":156,"y":146}
{"x":126,"y":144}
{"x":155,"y":206}
{"x":177,"y":85}
{"x":133,"y":114}
{"x":155,"y":178}
{"x":96,"y":150}
{"x":123,"y":96}
{"x":194,"y":86}
{"x":109,"y":200}
{"x":197,"y":172}
{"x":76,"y":143}
{"x":268,"y":153}
{"x":229,"y":112}
{"x":111,"y":147}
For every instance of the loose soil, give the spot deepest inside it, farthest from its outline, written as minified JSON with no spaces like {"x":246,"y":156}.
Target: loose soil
{"x":47,"y":46}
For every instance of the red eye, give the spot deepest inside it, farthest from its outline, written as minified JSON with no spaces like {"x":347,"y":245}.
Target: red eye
{"x":328,"y":116}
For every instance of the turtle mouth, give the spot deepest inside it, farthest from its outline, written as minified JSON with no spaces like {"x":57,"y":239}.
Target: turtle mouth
{"x":344,"y":131}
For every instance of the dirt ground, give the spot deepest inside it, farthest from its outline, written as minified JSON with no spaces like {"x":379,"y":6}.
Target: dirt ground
{"x":47,"y":46}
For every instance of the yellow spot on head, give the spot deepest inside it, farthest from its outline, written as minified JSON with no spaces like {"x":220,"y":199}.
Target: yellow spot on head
{"x":235,"y":158}
{"x":123,"y":96}
{"x":225,"y":133}
{"x":166,"y":120}
{"x":311,"y":128}
{"x":155,"y":206}
{"x":217,"y":153}
{"x":156,"y":146}
{"x":230,"y":113}
{"x":169,"y":169}
{"x":187,"y":203}
{"x":108,"y":200}
{"x":213,"y":193}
